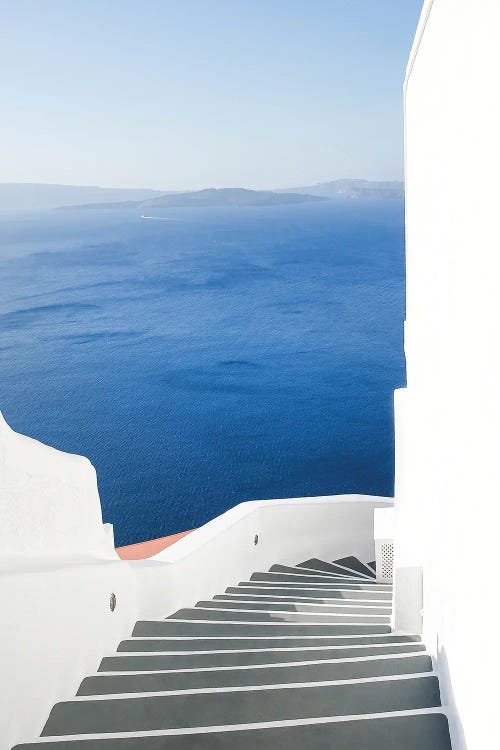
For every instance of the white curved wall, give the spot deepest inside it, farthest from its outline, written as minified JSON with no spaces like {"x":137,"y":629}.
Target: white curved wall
{"x":49,"y":503}
{"x":448,"y":419}
{"x":58,"y":568}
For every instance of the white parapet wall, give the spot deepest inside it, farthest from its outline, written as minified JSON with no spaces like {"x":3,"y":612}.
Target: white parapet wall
{"x":448,"y":418}
{"x":50,"y":503}
{"x":224,"y":551}
{"x":58,"y":569}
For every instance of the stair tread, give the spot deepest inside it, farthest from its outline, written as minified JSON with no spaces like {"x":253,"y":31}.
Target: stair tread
{"x":240,"y":706}
{"x":316,"y":601}
{"x":321,"y":565}
{"x":319,"y":593}
{"x":292,"y":578}
{"x":249,"y":629}
{"x":354,"y":564}
{"x":225,"y":601}
{"x":260,"y":675}
{"x":151,"y":661}
{"x":409,"y":732}
{"x":295,"y":570}
{"x":248,"y":655}
{"x":197,"y":614}
{"x":216,"y":643}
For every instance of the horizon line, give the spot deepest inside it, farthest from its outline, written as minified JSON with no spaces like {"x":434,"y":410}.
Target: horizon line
{"x":192,"y":190}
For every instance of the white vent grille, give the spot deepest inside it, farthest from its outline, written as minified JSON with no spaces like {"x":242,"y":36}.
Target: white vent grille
{"x":387,"y":560}
{"x":384,"y":559}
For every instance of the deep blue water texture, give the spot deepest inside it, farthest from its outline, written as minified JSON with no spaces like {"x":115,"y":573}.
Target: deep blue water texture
{"x":218,"y":356}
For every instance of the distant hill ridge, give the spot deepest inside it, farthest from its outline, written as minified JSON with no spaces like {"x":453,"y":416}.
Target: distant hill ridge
{"x":16,"y":196}
{"x":207,"y":198}
{"x":354,"y":189}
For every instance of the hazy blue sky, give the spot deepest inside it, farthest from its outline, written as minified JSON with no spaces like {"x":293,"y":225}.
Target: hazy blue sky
{"x":198,"y":93}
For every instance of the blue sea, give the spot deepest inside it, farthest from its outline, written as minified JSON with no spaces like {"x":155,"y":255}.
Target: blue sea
{"x":208,"y":358}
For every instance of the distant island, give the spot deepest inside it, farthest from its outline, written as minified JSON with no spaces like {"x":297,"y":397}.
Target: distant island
{"x":354,"y":189}
{"x":212,"y":197}
{"x":17,"y":196}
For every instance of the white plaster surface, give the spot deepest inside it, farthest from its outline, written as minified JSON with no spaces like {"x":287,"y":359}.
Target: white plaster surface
{"x":58,"y":569}
{"x":223,"y":552}
{"x":448,"y":419}
{"x":49,"y":503}
{"x":383,"y":523}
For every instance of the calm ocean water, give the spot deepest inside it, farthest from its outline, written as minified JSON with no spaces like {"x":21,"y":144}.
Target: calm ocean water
{"x":215,"y":357}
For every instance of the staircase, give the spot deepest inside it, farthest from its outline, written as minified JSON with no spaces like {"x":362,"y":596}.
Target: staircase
{"x":300,"y":656}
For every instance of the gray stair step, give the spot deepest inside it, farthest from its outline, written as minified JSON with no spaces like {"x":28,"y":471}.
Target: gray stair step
{"x":359,"y":584}
{"x":346,"y":575}
{"x":321,"y":566}
{"x":216,"y":643}
{"x":240,"y":706}
{"x":224,"y":600}
{"x":261,"y":675}
{"x":354,"y":564}
{"x":247,"y":630}
{"x":373,"y":566}
{"x":223,"y":615}
{"x":366,"y":585}
{"x":428,"y":731}
{"x":311,"y":594}
{"x":333,"y":602}
{"x":234,"y":658}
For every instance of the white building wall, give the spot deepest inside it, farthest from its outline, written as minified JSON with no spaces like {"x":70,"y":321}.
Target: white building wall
{"x":448,"y":418}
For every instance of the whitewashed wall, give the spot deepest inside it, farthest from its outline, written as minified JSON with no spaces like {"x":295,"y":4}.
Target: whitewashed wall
{"x":49,"y":503}
{"x":58,"y":569}
{"x":223,"y":552}
{"x":448,"y":419}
